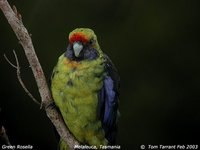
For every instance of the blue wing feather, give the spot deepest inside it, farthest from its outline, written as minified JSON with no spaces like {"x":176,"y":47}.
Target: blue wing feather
{"x":108,"y":102}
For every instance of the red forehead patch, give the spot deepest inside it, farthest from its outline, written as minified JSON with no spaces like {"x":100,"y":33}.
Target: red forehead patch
{"x":78,"y":37}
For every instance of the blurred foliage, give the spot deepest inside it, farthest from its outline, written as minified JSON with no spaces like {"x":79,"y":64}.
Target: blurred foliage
{"x":155,"y":46}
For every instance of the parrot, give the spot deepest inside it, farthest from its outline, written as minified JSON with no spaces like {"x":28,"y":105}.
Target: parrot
{"x":85,"y":89}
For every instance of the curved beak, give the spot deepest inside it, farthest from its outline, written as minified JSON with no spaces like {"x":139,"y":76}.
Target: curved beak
{"x":77,"y":46}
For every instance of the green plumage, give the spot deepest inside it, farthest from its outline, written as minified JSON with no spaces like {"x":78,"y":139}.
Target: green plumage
{"x":75,"y":86}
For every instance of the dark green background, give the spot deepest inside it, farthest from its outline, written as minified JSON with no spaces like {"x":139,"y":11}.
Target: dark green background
{"x":155,"y":46}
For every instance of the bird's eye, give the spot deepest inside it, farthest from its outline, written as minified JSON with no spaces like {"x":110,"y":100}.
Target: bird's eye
{"x":92,"y":41}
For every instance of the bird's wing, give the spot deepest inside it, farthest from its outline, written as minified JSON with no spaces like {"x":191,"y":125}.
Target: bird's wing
{"x":108,"y":101}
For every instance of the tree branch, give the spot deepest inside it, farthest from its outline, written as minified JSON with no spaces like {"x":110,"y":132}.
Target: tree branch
{"x":4,"y":136}
{"x":17,"y":67}
{"x":15,"y":21}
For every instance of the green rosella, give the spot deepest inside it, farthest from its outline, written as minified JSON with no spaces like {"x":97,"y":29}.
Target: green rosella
{"x":84,"y":87}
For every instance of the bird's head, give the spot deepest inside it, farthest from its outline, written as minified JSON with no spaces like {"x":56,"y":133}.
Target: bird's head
{"x":83,"y":44}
